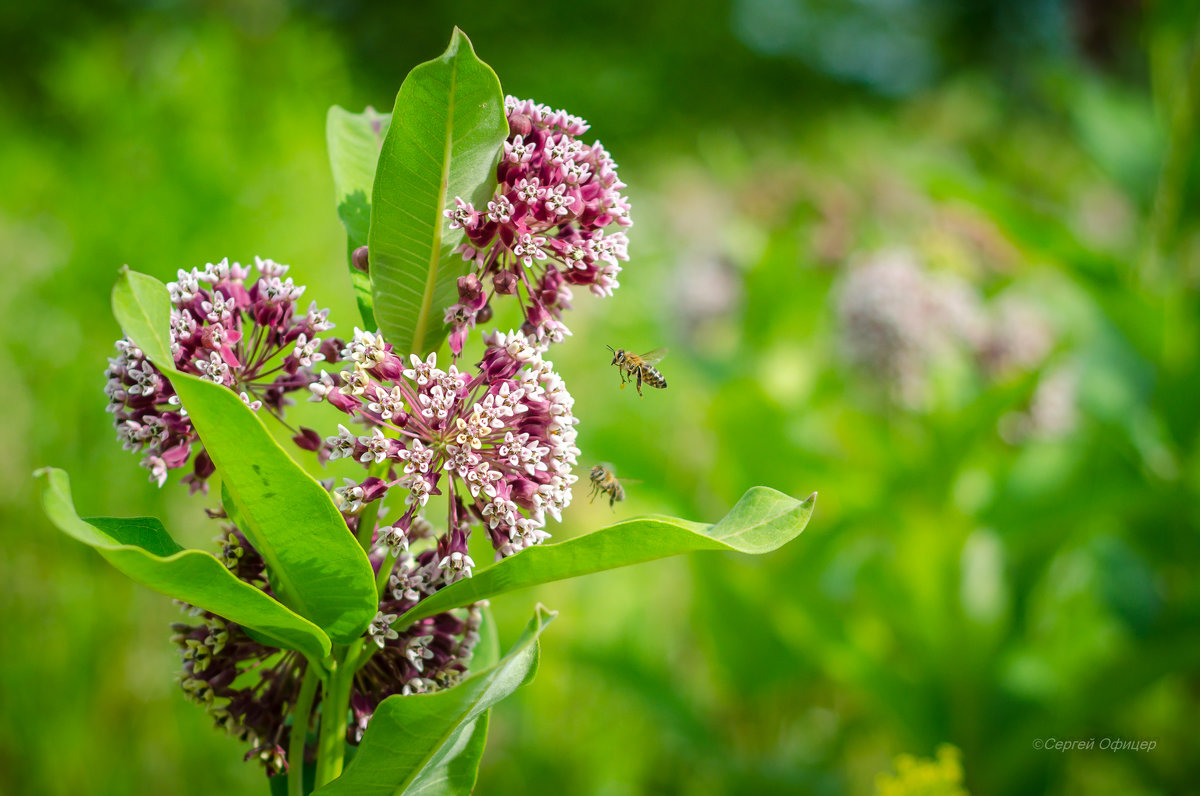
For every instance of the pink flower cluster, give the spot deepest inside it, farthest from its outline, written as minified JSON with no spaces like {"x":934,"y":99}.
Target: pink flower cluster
{"x":496,"y":441}
{"x":252,"y":338}
{"x":545,"y":226}
{"x":501,"y":441}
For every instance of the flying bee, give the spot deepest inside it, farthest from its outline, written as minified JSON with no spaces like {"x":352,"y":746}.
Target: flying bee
{"x":641,"y":368}
{"x":605,"y":482}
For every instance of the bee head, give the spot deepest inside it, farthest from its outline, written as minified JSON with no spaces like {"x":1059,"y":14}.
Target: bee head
{"x":618,"y":355}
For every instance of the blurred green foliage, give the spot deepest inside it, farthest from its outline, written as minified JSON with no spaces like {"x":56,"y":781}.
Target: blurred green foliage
{"x":963,"y":581}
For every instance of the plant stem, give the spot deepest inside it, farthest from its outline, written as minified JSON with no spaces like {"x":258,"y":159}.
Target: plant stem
{"x":385,"y":573}
{"x":335,"y":707}
{"x":325,"y":739}
{"x":300,"y":722}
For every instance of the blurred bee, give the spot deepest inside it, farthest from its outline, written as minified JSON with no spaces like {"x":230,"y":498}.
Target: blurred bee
{"x":605,"y":482}
{"x":641,"y":367}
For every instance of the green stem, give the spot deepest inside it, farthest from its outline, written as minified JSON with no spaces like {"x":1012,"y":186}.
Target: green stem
{"x":327,"y":737}
{"x":300,"y":722}
{"x":335,"y":708}
{"x":385,"y":573}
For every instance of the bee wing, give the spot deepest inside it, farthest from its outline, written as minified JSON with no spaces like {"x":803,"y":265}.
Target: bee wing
{"x":655,"y":356}
{"x":630,"y":480}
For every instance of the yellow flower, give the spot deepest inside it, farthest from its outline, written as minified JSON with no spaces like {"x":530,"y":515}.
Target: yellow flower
{"x":923,"y":777}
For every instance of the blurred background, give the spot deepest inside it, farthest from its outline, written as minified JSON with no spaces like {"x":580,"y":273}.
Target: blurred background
{"x":938,"y":261}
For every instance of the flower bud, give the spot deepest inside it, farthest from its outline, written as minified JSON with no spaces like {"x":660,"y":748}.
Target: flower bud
{"x":332,"y":349}
{"x":373,"y":489}
{"x":520,"y":124}
{"x":359,"y":259}
{"x":505,"y":283}
{"x":307,"y":439}
{"x":345,"y":403}
{"x":470,"y":292}
{"x":177,"y":456}
{"x":536,"y":313}
{"x":203,"y":466}
{"x":523,"y":491}
{"x":390,"y":368}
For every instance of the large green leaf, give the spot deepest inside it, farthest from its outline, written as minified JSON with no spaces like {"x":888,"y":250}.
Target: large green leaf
{"x":142,"y":549}
{"x":445,"y":140}
{"x":409,"y":734}
{"x":354,"y":140}
{"x":316,"y":566}
{"x":762,"y":521}
{"x":456,"y":767}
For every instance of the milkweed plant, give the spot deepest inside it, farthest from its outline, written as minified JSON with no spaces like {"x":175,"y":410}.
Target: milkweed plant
{"x":342,"y":629}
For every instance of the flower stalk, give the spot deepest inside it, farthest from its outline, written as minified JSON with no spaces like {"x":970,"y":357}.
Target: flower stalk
{"x":335,"y":690}
{"x":300,"y":722}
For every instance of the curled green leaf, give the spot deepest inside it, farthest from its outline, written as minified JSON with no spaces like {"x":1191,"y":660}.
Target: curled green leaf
{"x":412,"y":735}
{"x":762,"y":521}
{"x":455,"y":768}
{"x":141,"y":548}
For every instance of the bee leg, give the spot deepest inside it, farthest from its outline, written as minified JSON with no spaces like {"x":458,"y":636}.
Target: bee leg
{"x":639,"y":384}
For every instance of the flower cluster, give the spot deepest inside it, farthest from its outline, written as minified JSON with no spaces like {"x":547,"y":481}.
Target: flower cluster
{"x":896,"y":319}
{"x":1018,"y":337}
{"x":544,"y":227}
{"x":501,"y":441}
{"x":252,"y":338}
{"x":497,"y":441}
{"x":1053,"y":409}
{"x":431,"y":654}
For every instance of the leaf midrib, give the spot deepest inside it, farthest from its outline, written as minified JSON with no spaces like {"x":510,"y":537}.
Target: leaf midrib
{"x":441,"y":740}
{"x":435,"y":252}
{"x":463,"y":715}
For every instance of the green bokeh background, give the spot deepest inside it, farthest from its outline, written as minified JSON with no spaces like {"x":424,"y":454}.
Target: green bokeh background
{"x":953,"y":587}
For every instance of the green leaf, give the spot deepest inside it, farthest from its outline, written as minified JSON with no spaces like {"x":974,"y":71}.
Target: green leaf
{"x":140,"y":548}
{"x":354,"y":140}
{"x":762,"y":521}
{"x":410,"y":734}
{"x":445,"y":140}
{"x":454,"y":771}
{"x":316,"y":566}
{"x":455,"y":767}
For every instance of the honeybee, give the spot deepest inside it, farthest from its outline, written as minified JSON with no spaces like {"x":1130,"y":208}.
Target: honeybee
{"x":633,"y":366}
{"x":605,"y":482}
